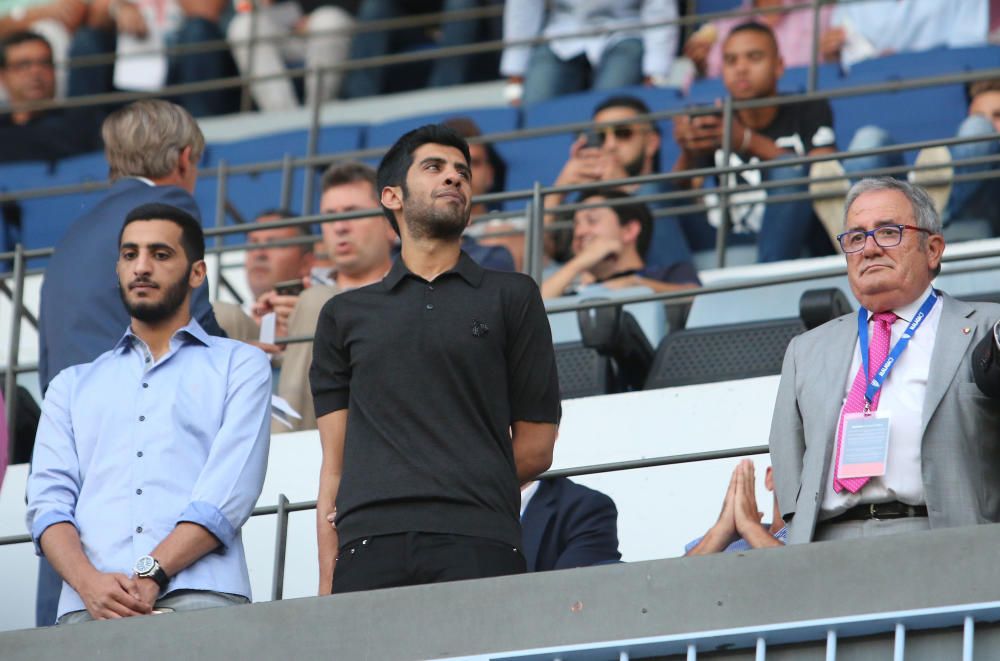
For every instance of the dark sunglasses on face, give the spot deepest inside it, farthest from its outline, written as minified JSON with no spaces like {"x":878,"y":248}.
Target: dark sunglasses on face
{"x":597,"y":137}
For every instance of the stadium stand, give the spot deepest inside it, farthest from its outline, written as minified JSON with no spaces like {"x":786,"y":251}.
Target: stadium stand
{"x":710,"y":386}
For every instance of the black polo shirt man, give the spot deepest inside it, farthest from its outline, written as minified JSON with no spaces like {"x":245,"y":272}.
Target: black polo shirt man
{"x":447,"y":374}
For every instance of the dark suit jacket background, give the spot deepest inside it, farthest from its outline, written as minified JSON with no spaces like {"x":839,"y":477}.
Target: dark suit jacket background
{"x":986,"y":366}
{"x":568,"y":525}
{"x":81,"y":313}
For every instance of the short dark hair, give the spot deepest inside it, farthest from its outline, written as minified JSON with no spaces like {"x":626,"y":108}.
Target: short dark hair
{"x":759,"y":28}
{"x":192,"y":236}
{"x":978,"y":87}
{"x":18,"y":38}
{"x":397,"y":161}
{"x":347,"y":172}
{"x":627,"y":212}
{"x":623,"y":101}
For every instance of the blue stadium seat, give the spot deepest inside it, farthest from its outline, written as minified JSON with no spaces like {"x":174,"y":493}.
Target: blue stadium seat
{"x":713,"y":6}
{"x":934,"y":62}
{"x":15,"y":177}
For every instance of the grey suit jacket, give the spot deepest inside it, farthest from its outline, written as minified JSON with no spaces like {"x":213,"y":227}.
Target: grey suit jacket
{"x":960,"y":447}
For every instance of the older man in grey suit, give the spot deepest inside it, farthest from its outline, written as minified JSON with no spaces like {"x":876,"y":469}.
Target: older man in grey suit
{"x":907,"y":442}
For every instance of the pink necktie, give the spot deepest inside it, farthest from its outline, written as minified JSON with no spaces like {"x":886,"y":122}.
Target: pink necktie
{"x":878,"y":349}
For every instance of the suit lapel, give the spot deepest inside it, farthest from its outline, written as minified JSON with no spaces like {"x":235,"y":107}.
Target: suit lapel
{"x":950,"y":347}
{"x":537,"y":516}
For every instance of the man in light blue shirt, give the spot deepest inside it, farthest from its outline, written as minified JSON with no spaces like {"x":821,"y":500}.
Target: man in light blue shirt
{"x":149,"y":459}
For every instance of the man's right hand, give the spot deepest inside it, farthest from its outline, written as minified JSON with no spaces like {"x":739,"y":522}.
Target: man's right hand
{"x":110,"y":596}
{"x":698,"y":135}
{"x":129,"y":19}
{"x":831,"y":42}
{"x":697,"y":49}
{"x":281,"y":305}
{"x":584,"y":165}
{"x":596,"y":251}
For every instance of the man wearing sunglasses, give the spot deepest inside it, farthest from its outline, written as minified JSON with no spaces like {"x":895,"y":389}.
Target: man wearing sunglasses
{"x":628,"y":148}
{"x":879,"y":427}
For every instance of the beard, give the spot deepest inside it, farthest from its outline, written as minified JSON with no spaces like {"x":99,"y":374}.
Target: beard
{"x":634,"y":168}
{"x":152,"y":313}
{"x":425,"y":221}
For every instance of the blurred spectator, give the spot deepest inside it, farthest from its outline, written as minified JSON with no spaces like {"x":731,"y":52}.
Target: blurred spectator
{"x":608,"y":245}
{"x":739,"y":527}
{"x":629,"y":56}
{"x":565,"y":525}
{"x":751,"y":70}
{"x":158,"y":529}
{"x":443,"y":71}
{"x":26,"y":415}
{"x":266,"y":266}
{"x":360,"y":250}
{"x":624,"y":150}
{"x":309,"y":31}
{"x":792,"y":29}
{"x":144,"y":25}
{"x":504,"y":253}
{"x":862,"y":30}
{"x":963,"y":200}
{"x":56,"y":20}
{"x":35,"y":135}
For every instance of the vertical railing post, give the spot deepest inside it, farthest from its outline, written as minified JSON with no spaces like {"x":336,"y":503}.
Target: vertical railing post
{"x":812,"y":82}
{"x":221,"y":190}
{"x":535,"y":241}
{"x":722,"y":233}
{"x":286,"y":182}
{"x":13,"y":347}
{"x":280,"y":545}
{"x":313,"y":142}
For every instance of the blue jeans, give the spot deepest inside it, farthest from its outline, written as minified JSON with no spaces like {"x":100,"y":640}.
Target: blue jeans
{"x":445,"y":71}
{"x":969,"y":199}
{"x":787,"y":230}
{"x":547,"y":76}
{"x":181,"y":68}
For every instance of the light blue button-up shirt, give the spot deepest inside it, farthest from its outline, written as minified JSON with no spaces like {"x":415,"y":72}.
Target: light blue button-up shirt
{"x":128,"y":447}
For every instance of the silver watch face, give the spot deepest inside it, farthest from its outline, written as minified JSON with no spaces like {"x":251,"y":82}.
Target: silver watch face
{"x":144,"y":565}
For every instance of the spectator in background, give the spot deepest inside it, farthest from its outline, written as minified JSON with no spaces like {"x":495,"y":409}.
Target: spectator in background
{"x":153,"y":148}
{"x":792,"y":29}
{"x":863,"y":30}
{"x":566,"y":525}
{"x":155,"y":452}
{"x":962,"y":200}
{"x":739,"y":527}
{"x":55,"y":20}
{"x":26,"y":134}
{"x":155,"y":24}
{"x":630,"y":56}
{"x":266,"y":266}
{"x":360,"y":250}
{"x":751,"y":70}
{"x":320,"y":38}
{"x":443,"y":71}
{"x":488,"y":171}
{"x":608,"y":248}
{"x":628,"y":149}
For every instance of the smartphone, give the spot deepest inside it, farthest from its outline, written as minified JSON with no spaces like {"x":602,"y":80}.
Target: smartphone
{"x":595,"y":140}
{"x":290,"y":287}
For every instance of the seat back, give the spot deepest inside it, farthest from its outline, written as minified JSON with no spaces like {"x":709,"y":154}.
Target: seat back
{"x":583,"y":372}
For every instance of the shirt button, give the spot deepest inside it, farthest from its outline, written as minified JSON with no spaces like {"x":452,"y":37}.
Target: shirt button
{"x":430,"y":287}
{"x":145,"y":385}
{"x":138,"y":529}
{"x":138,"y":492}
{"x":430,"y":306}
{"x":142,"y":418}
{"x":139,"y":453}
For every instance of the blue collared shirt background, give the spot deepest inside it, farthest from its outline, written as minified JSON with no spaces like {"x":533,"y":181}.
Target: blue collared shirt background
{"x":126,"y":449}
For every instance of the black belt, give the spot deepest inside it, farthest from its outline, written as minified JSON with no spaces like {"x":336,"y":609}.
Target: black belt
{"x":879,"y":511}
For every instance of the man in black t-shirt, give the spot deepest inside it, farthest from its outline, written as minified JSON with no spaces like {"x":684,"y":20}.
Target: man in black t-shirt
{"x":752,"y":67}
{"x":448,"y":374}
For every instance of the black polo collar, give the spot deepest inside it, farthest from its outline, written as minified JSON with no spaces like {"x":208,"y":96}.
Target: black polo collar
{"x":466,"y":267}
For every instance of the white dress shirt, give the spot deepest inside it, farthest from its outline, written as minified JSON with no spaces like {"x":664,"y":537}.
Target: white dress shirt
{"x":903,"y":398}
{"x":524,"y":19}
{"x":526,"y":495}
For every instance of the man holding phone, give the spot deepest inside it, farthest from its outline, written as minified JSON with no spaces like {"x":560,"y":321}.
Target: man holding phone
{"x":752,"y":67}
{"x":628,"y":148}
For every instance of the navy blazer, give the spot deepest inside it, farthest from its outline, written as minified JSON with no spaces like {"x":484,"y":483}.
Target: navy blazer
{"x":81,"y":313}
{"x":568,"y":525}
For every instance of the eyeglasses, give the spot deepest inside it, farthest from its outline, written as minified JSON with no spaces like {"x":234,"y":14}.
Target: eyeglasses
{"x":886,"y":236}
{"x":24,"y":65}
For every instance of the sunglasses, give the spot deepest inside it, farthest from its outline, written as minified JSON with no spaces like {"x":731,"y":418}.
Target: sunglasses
{"x":597,"y":137}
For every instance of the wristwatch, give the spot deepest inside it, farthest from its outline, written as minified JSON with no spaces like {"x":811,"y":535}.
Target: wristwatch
{"x":148,"y":567}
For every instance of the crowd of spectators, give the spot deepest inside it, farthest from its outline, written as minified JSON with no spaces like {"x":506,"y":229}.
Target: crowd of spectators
{"x":414,"y":249}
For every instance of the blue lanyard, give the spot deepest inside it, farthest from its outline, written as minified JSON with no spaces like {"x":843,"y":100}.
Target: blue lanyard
{"x":883,"y":372}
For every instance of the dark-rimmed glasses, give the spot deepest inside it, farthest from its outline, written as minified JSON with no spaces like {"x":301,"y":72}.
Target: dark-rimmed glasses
{"x":886,"y":236}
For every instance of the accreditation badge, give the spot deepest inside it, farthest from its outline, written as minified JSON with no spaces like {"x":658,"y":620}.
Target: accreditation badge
{"x":865,"y":445}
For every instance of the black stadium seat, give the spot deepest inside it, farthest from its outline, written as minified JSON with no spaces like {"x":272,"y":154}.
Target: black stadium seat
{"x":583,"y":372}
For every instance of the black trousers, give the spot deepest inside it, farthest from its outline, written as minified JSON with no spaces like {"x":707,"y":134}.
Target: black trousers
{"x":416,"y":558}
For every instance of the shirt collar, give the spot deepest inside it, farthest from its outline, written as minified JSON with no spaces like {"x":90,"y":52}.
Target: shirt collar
{"x":466,"y":267}
{"x":909,"y":311}
{"x":192,"y":329}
